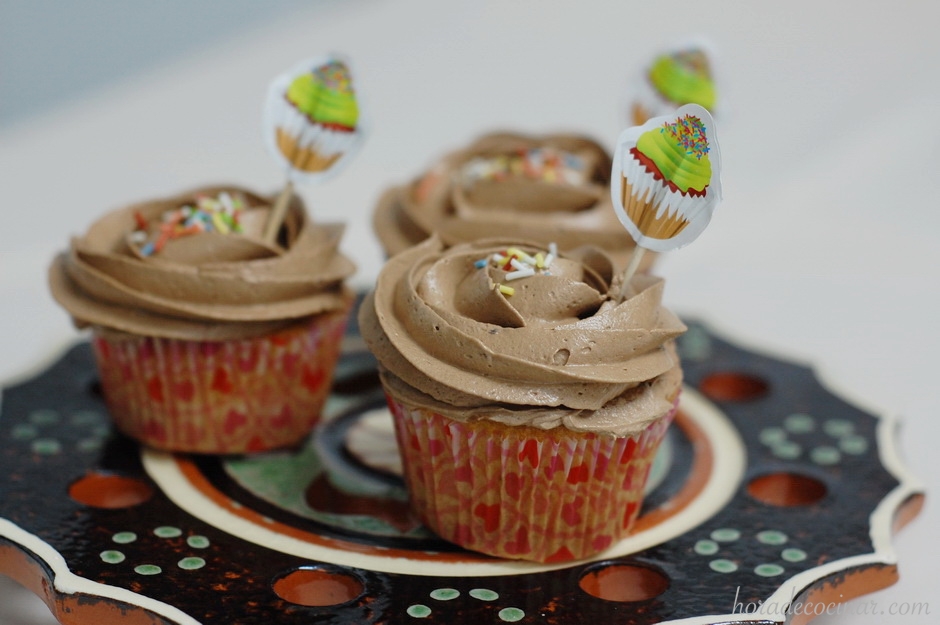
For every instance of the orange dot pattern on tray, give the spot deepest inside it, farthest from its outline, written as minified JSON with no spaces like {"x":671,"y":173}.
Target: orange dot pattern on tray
{"x":514,"y":492}
{"x":225,"y":397}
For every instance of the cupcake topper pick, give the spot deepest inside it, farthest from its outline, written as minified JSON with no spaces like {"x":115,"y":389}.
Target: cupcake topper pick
{"x":680,"y":75}
{"x":312,"y":125}
{"x":665,"y":182}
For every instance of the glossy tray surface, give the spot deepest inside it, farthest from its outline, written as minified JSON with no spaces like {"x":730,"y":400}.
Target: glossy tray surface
{"x":769,"y":493}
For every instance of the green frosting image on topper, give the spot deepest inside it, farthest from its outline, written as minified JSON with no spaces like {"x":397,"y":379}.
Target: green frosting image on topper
{"x":325,"y":95}
{"x":684,"y":78}
{"x":680,"y":151}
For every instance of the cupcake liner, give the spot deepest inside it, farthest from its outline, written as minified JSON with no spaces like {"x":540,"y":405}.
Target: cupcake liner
{"x":642,"y":211}
{"x":648,"y":102}
{"x":520,"y":492}
{"x":643,"y":187}
{"x":231,"y":396}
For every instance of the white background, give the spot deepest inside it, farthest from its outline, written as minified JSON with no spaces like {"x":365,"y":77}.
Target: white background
{"x":824,"y":250}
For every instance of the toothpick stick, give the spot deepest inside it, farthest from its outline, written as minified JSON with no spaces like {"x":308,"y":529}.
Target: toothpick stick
{"x":628,"y":273}
{"x":276,"y":218}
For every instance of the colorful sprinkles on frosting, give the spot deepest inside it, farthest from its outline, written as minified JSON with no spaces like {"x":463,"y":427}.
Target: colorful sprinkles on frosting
{"x":543,"y":163}
{"x":334,"y":75}
{"x":220,"y":214}
{"x":689,"y":132}
{"x":518,"y":264}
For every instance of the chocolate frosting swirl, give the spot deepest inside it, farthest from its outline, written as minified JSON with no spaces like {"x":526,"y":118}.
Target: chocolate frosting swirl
{"x":570,"y":210}
{"x":207,"y":286}
{"x":560,"y":350}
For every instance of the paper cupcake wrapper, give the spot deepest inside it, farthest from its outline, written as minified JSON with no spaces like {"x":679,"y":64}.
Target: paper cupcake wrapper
{"x":519,"y":492}
{"x":648,"y":102}
{"x":220,"y":397}
{"x":310,"y":147}
{"x":643,"y":191}
{"x":650,"y":222}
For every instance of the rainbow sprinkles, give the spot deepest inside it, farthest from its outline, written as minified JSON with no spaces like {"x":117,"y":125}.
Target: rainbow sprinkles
{"x":689,"y":132}
{"x":517,"y":264}
{"x":544,"y":164}
{"x":220,"y":214}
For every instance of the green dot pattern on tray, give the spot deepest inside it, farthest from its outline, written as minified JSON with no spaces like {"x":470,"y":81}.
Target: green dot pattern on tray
{"x":837,"y":428}
{"x":799,"y":423}
{"x":854,"y":445}
{"x":112,"y":557}
{"x":721,"y":565}
{"x":89,"y":444}
{"x":191,"y":563}
{"x":793,"y":555}
{"x":772,"y":436}
{"x":772,"y":537}
{"x":43,"y":417}
{"x":484,"y":594}
{"x":825,"y":455}
{"x":46,"y":446}
{"x":445,"y":594}
{"x":418,"y":611}
{"x":781,"y":445}
{"x":148,"y":569}
{"x":24,"y":431}
{"x":725,"y":535}
{"x":695,"y":344}
{"x":787,"y":450}
{"x":197,"y":542}
{"x":506,"y":615}
{"x":43,"y":424}
{"x":511,"y":615}
{"x":706,"y":547}
{"x":86,"y":417}
{"x":768,"y":570}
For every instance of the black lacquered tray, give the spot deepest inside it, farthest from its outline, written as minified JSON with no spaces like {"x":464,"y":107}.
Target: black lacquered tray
{"x":771,"y":496}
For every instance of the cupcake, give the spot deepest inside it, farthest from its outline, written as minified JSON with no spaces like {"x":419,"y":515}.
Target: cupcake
{"x":207,"y":337}
{"x":546,"y":189}
{"x":528,"y":399}
{"x":674,"y":78}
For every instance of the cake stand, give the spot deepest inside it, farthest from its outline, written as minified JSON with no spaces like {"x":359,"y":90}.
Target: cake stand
{"x":772,"y":500}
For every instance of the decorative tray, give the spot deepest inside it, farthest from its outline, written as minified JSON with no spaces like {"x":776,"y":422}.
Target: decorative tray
{"x":771,"y":500}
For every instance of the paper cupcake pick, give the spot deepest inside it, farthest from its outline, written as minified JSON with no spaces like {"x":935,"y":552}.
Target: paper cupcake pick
{"x":312,"y":124}
{"x":680,"y":75}
{"x":665,"y":181}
